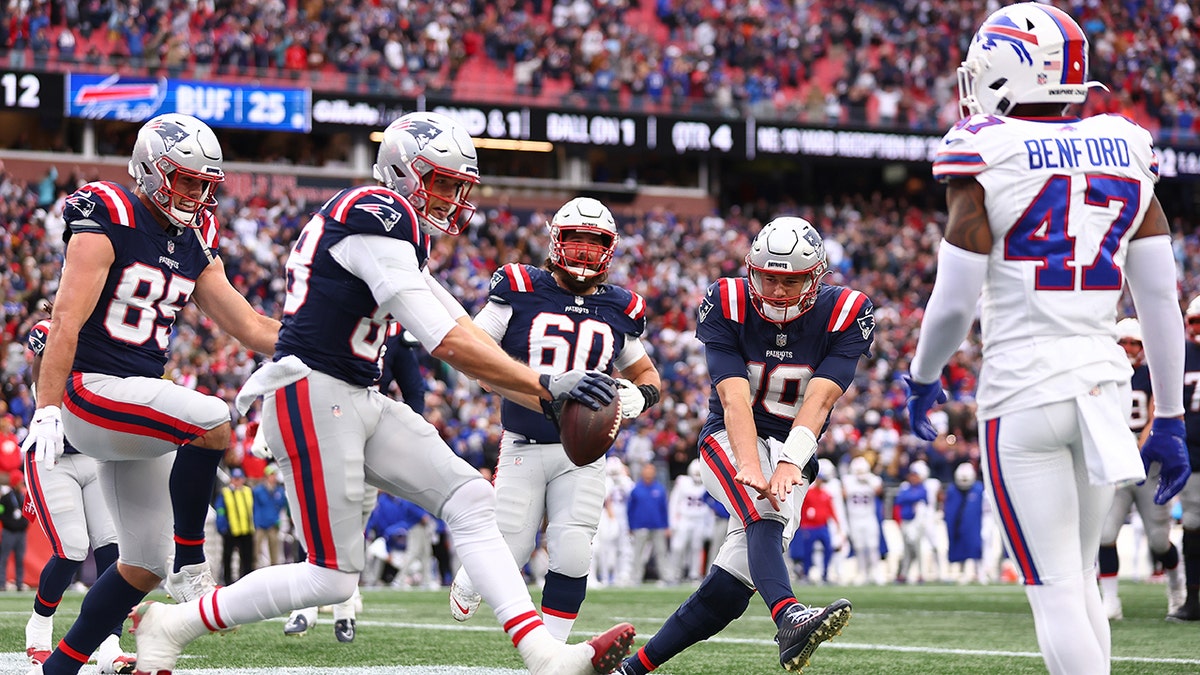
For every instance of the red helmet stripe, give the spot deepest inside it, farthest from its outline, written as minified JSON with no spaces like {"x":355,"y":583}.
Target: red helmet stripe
{"x":1074,"y":41}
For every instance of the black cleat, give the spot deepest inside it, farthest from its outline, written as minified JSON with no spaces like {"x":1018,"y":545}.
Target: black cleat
{"x":1190,"y":611}
{"x":343,"y":630}
{"x":296,"y":625}
{"x":810,"y":626}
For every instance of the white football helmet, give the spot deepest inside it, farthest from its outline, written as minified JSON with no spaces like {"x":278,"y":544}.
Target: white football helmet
{"x":174,"y":146}
{"x":964,"y":476}
{"x":825,"y":469}
{"x":1191,"y":318}
{"x":694,"y":471}
{"x":583,"y":260}
{"x":1129,"y":336}
{"x":860,"y":466}
{"x":786,"y":247}
{"x":417,"y":149}
{"x":920,"y":468}
{"x":1024,"y":53}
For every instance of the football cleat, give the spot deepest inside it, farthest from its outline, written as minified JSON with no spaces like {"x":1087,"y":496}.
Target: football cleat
{"x":1190,"y":611}
{"x":611,"y":647}
{"x":808,"y":628}
{"x":110,"y":660}
{"x":343,"y":630}
{"x":463,"y":602}
{"x":191,"y":582}
{"x":157,"y":649}
{"x":298,"y":623}
{"x":38,"y":632}
{"x":601,"y":654}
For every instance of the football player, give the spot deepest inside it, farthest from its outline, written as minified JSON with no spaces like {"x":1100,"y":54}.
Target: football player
{"x":560,"y":316}
{"x":60,"y":497}
{"x":691,"y":523}
{"x":781,"y":348}
{"x":1049,"y":216}
{"x":964,"y":523}
{"x":1189,"y":498}
{"x":863,"y":492}
{"x":135,"y":258}
{"x":1156,"y":518}
{"x":358,"y":264}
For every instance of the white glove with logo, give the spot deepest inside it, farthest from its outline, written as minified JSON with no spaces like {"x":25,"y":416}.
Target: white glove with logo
{"x":45,"y":436}
{"x":632,"y":400}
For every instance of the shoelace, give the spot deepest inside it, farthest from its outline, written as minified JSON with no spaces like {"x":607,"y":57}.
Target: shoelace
{"x":801,"y":613}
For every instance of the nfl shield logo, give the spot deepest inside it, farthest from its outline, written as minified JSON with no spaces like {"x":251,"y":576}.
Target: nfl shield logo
{"x":780,"y":340}
{"x":1042,"y":78}
{"x":170,"y":247}
{"x":337,"y":411}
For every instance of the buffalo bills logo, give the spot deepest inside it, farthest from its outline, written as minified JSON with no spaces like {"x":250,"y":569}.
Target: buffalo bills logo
{"x":170,"y":133}
{"x":385,"y":214}
{"x":421,"y":131}
{"x":1002,"y":29}
{"x":82,"y":202}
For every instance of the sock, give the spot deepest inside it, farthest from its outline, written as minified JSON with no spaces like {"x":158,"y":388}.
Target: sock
{"x":266,"y":593}
{"x":768,"y":571}
{"x":1191,"y":564}
{"x":1110,"y":563}
{"x":106,"y":605}
{"x":56,"y":577}
{"x":720,"y":599}
{"x":192,"y":477}
{"x":105,"y":557}
{"x":561,"y":599}
{"x":1168,"y":558}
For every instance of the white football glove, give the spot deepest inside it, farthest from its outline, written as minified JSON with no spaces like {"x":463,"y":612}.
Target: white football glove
{"x":45,"y":436}
{"x":632,"y":400}
{"x":258,"y":447}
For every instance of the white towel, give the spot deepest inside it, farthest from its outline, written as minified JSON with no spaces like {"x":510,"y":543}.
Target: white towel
{"x":1110,"y":450}
{"x":270,"y":377}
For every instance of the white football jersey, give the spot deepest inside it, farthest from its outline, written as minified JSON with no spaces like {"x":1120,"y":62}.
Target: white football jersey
{"x":1063,"y":198}
{"x":860,"y":494}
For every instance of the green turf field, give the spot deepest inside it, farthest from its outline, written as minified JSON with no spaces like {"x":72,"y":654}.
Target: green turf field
{"x":896,"y":630}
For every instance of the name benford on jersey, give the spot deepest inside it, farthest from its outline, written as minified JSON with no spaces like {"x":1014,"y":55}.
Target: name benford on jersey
{"x":152,"y":277}
{"x":343,"y":330}
{"x":780,"y":359}
{"x":554,"y":330}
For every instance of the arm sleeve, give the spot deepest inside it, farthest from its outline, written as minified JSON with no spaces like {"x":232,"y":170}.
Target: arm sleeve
{"x":448,"y":301}
{"x":633,"y":351}
{"x":389,"y":268}
{"x":1150,"y":271}
{"x":493,"y":319}
{"x":950,"y":311}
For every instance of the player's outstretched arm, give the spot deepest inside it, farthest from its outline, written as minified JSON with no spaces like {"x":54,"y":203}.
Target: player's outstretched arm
{"x":222,"y":303}
{"x":819,"y":398}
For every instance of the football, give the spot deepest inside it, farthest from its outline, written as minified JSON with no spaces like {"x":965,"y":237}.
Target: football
{"x":587,"y":434}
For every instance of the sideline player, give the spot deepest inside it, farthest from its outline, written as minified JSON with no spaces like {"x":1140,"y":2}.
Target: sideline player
{"x":863,"y":492}
{"x":72,"y":514}
{"x":777,"y":371}
{"x":554,"y":318}
{"x":1049,"y":215}
{"x":1156,"y":518}
{"x":1189,"y":498}
{"x":359,"y":263}
{"x":134,"y":260}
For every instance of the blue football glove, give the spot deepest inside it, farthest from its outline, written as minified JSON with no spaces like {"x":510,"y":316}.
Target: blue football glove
{"x":1166,"y":446}
{"x":590,"y":387}
{"x":922,"y":397}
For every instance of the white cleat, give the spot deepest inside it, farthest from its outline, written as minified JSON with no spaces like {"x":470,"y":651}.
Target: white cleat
{"x":601,"y":654}
{"x":191,"y":582}
{"x":38,"y":633}
{"x":157,"y":648}
{"x":1112,"y":608}
{"x":110,"y":660}
{"x":463,"y":603}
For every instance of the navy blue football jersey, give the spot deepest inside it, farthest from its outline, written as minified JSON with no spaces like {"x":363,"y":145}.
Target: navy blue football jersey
{"x":151,"y":279}
{"x":1139,"y":414}
{"x":554,"y":330}
{"x":1191,"y":400}
{"x":330,"y":319}
{"x":778,"y":361}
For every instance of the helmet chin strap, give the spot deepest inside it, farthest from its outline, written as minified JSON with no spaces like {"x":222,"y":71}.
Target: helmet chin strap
{"x":780,"y":314}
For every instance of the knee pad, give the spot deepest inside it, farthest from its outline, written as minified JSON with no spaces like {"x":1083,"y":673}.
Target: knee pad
{"x":571,"y":555}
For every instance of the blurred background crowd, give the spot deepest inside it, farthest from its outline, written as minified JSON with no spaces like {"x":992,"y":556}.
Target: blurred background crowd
{"x":881,"y":62}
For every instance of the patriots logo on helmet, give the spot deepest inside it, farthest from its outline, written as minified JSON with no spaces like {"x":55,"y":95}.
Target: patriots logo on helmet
{"x":423,"y":132}
{"x":82,"y":202}
{"x":386,"y":214}
{"x":1003,"y":29}
{"x":811,"y":237}
{"x":170,"y":132}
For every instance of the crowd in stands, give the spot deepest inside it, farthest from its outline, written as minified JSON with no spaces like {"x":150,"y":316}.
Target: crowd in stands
{"x":837,"y":62}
